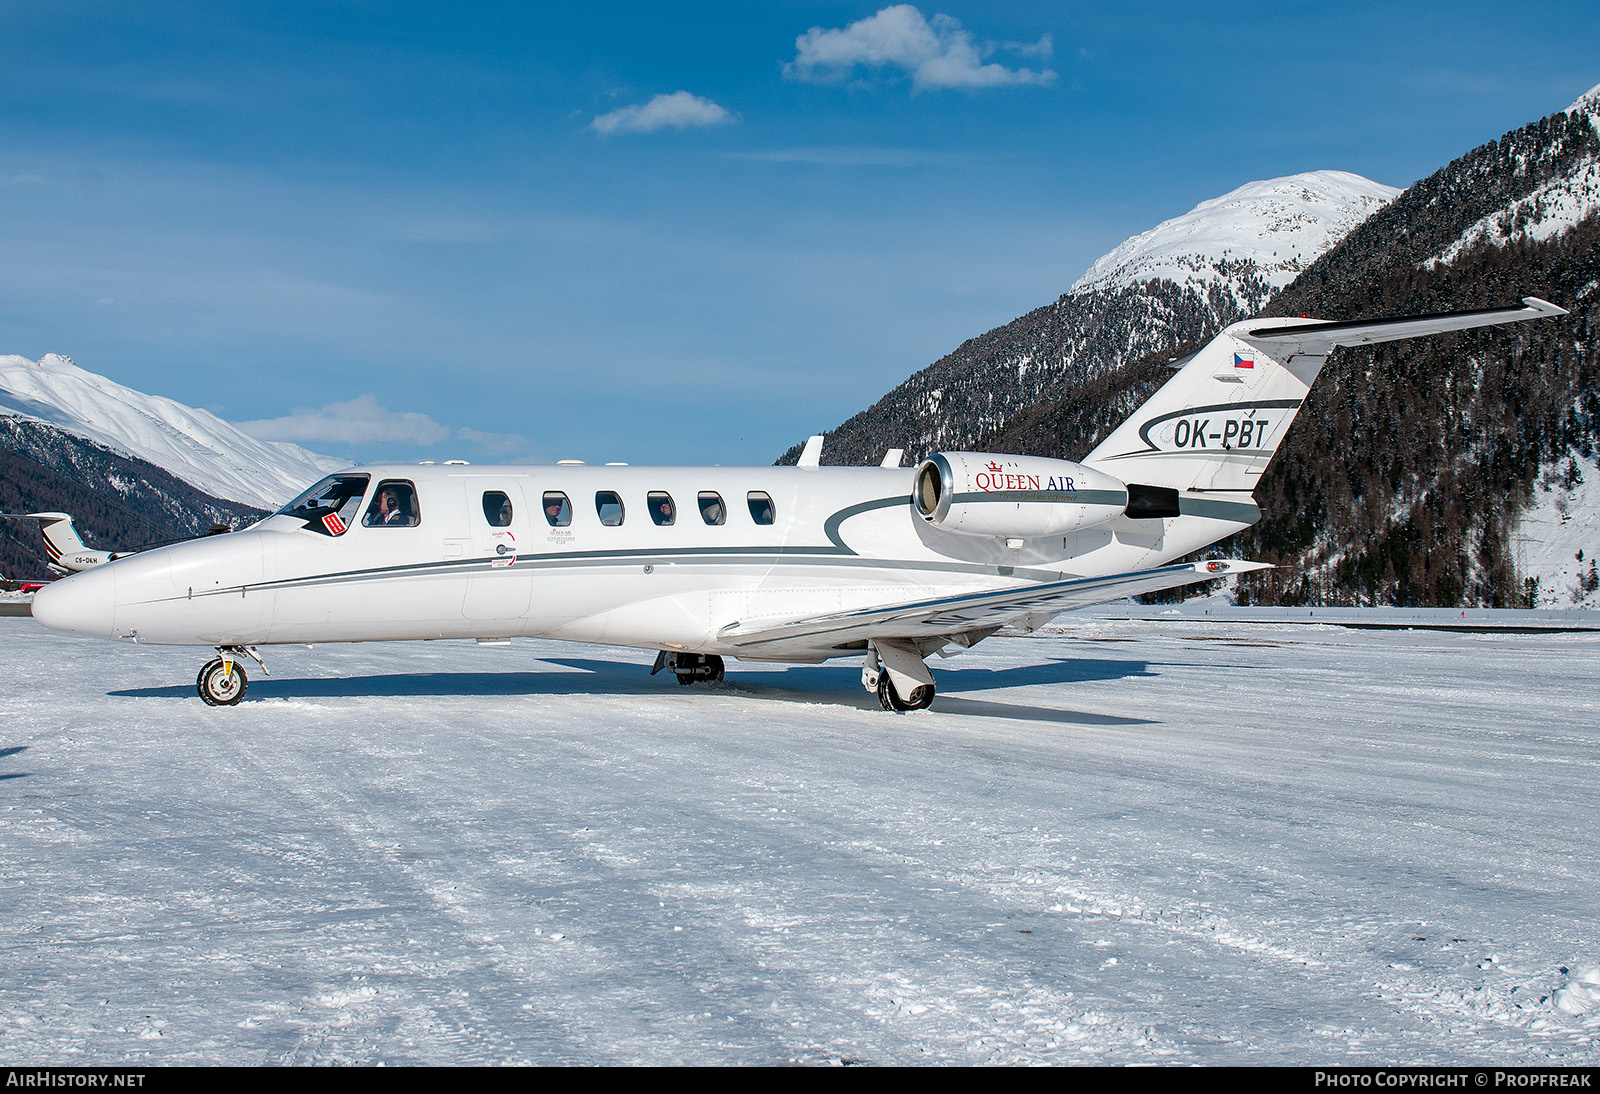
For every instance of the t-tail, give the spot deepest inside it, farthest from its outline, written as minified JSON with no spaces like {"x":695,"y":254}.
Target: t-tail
{"x":1211,"y":430}
{"x":68,"y":553}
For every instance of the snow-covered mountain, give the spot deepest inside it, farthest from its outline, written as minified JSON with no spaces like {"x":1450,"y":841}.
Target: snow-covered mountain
{"x":1175,"y":284}
{"x":1270,"y":229}
{"x":1549,"y":209}
{"x":193,"y":445}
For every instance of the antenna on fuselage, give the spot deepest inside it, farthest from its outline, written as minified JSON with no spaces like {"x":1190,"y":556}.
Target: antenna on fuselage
{"x":811,"y":455}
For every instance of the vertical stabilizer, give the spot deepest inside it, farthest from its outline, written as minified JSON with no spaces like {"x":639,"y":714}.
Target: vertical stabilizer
{"x":67,"y":552}
{"x":60,"y":536}
{"x":1213,"y":428}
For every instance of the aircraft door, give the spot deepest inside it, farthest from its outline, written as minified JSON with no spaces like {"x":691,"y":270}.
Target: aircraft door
{"x":499,"y":586}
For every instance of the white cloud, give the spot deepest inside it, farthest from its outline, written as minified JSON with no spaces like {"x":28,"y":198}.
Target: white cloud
{"x":359,"y":421}
{"x":680,"y":110}
{"x":937,"y":53}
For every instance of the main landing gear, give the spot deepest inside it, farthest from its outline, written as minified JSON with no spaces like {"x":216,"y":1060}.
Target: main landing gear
{"x":222,"y":681}
{"x":895,"y":671}
{"x":689,"y":667}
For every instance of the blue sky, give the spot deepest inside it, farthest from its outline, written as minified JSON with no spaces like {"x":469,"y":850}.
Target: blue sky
{"x":499,"y":231}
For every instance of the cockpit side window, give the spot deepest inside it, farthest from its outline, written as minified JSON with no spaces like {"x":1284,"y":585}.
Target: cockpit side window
{"x":761,"y":510}
{"x":712,"y":511}
{"x":329,"y":507}
{"x":394,"y":505}
{"x":496,"y":509}
{"x":557,"y":509}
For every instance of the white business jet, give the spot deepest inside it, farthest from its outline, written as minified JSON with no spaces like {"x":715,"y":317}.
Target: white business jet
{"x":794,"y":564}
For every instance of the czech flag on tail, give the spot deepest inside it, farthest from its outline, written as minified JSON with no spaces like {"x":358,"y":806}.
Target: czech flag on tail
{"x":1243,"y":362}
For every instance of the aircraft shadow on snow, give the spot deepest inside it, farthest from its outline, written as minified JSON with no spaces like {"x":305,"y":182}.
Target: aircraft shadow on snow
{"x":8,"y":752}
{"x":836,"y":685}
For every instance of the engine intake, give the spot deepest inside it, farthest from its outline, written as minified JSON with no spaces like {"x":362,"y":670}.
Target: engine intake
{"x":992,"y":494}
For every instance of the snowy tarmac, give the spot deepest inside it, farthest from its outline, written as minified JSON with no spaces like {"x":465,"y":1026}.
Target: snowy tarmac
{"x":1125,"y":842}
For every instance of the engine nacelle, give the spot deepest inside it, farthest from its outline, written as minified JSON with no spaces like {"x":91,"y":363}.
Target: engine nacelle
{"x":991,"y":494}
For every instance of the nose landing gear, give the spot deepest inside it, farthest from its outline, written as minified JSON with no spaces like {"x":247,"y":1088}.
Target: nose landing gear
{"x":222,"y":681}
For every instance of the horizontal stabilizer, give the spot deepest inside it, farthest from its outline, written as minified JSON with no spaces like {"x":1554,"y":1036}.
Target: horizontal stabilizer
{"x":1319,"y":336}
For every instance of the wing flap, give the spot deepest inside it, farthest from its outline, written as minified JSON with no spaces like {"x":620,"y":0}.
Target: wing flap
{"x":953,"y":615}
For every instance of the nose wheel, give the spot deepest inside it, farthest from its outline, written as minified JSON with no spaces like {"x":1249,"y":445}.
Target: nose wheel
{"x":221,"y":683}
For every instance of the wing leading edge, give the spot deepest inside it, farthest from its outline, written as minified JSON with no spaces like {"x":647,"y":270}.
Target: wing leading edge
{"x":952,"y":616}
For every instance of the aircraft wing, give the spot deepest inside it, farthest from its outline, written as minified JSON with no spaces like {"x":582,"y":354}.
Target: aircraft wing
{"x":951,"y":616}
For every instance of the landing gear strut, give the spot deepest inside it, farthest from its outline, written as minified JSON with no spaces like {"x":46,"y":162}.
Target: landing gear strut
{"x":895,"y":671}
{"x":689,"y":667}
{"x":222,"y":681}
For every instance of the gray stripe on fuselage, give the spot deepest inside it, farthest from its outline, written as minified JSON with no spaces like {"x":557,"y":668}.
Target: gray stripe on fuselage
{"x":1080,"y":497}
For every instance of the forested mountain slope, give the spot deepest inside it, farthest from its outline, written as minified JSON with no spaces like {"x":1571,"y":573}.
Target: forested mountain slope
{"x":119,"y":502}
{"x":1442,"y":471}
{"x":1180,"y":281}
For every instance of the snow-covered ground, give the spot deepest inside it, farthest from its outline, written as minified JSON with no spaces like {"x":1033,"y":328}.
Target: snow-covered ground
{"x":1133,"y":842}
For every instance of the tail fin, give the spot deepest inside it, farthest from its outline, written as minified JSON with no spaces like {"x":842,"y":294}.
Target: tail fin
{"x":60,"y":536}
{"x":67,"y":552}
{"x":1214,"y":426}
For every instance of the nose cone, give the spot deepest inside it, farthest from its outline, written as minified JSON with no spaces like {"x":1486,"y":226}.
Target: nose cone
{"x":84,"y":603}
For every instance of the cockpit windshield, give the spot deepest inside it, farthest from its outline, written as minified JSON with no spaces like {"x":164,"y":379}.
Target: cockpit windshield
{"x":330,"y":506}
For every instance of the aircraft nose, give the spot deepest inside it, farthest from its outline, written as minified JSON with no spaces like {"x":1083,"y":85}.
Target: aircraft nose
{"x":83,"y":603}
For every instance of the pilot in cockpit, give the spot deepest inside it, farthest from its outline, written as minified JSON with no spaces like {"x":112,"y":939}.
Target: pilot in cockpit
{"x":391,"y":508}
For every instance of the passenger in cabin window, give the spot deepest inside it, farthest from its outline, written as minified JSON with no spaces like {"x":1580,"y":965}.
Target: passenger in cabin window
{"x":760,"y":507}
{"x":711,"y":509}
{"x":555,"y":511}
{"x":662,"y":510}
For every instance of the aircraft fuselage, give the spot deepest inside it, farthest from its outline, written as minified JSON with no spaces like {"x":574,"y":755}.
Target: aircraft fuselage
{"x":607,"y":572}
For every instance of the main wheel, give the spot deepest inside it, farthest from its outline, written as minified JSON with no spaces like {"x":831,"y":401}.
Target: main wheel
{"x":919,"y":699}
{"x":693,"y":667}
{"x":220,"y":688}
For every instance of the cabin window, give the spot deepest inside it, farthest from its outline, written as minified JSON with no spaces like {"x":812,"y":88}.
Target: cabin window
{"x":712,"y":511}
{"x":496,"y":509}
{"x":609,"y":505}
{"x":331,"y":506}
{"x":662,"y":510}
{"x":761,"y":510}
{"x":394,"y":505}
{"x":557,"y":509}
